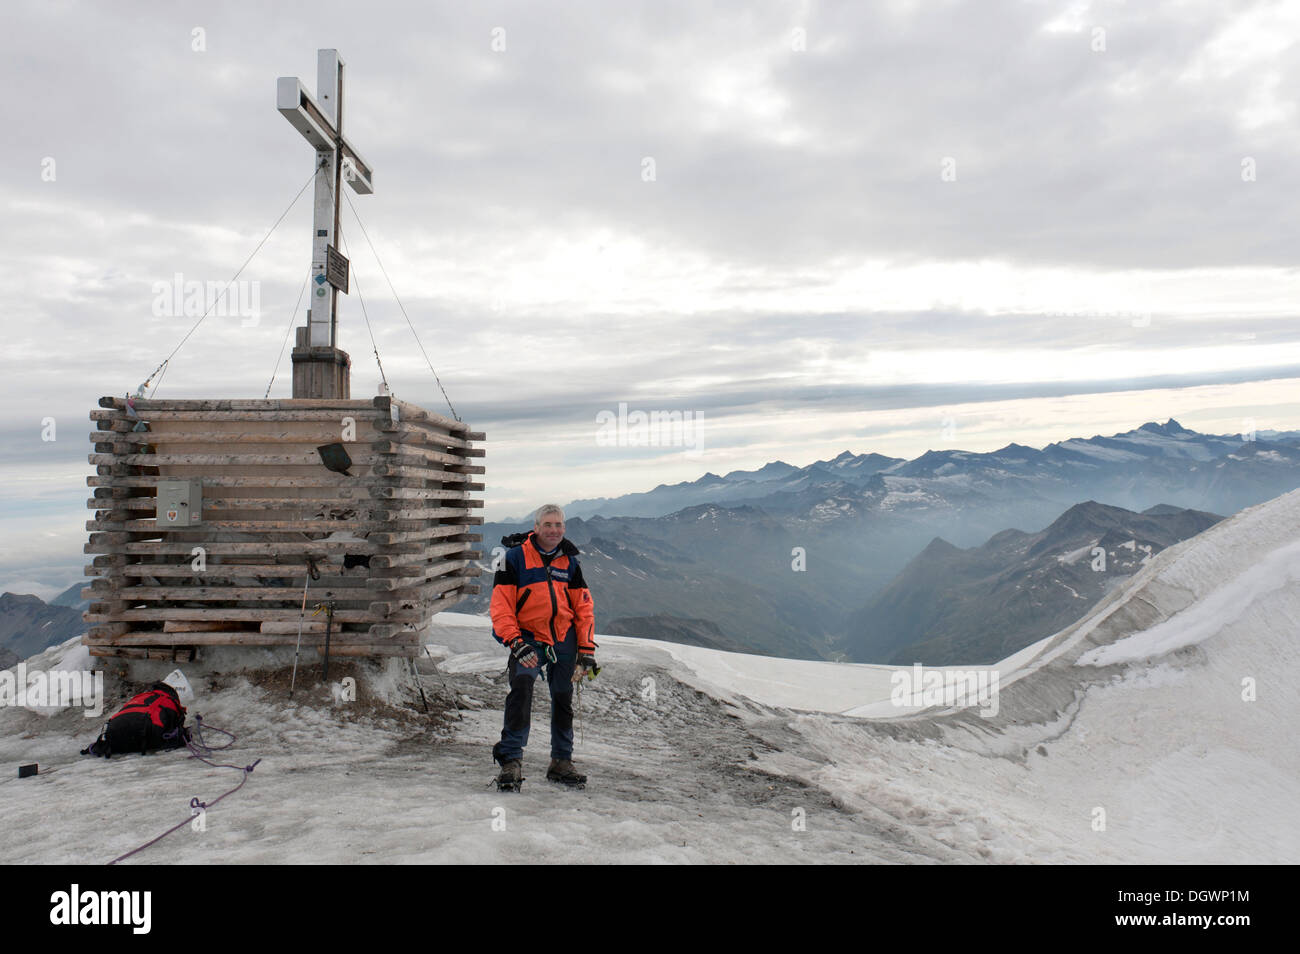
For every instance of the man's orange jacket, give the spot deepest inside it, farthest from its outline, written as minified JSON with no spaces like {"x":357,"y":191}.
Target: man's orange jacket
{"x":540,"y":598}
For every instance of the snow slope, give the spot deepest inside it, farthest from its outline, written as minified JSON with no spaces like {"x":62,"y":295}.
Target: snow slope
{"x":1156,"y":729}
{"x":1142,"y":714}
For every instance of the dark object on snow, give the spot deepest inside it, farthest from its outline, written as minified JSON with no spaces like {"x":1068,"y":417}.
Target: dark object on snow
{"x":154,"y":719}
{"x":335,"y":457}
{"x":27,"y":771}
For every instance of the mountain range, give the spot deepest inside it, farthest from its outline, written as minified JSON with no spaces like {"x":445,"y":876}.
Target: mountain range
{"x":29,"y":625}
{"x":950,"y":606}
{"x":1219,"y":472}
{"x":861,"y":556}
{"x":789,"y":560}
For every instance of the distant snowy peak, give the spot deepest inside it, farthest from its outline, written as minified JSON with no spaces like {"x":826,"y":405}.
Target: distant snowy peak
{"x":29,"y":625}
{"x":938,"y":463}
{"x":1156,"y":527}
{"x":1167,"y":457}
{"x":1087,"y":517}
{"x":1169,"y":428}
{"x":741,"y":513}
{"x":773,"y":470}
{"x":1265,"y":452}
{"x":1150,"y":441}
{"x":901,"y":495}
{"x":848,"y":464}
{"x":950,"y":606}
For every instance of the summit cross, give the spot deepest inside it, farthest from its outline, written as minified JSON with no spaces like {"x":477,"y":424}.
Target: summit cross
{"x":321,"y":124}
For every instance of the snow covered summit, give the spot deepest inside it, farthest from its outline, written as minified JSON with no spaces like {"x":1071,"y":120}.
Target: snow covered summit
{"x":1156,"y":729}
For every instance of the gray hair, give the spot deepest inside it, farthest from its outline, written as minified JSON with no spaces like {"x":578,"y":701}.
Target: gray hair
{"x":544,"y":509}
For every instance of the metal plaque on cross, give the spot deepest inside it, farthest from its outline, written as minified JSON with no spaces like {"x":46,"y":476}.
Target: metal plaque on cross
{"x":336,"y":269}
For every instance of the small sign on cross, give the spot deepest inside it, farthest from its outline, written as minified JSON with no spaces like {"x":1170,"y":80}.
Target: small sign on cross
{"x":336,"y":269}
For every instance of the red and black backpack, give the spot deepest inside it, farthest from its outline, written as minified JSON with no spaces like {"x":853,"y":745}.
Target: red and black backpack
{"x":154,"y":719}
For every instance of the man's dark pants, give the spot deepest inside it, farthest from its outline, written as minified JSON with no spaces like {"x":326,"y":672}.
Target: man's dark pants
{"x":519,"y":703}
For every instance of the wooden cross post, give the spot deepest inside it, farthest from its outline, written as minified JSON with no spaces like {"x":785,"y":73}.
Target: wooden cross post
{"x":320,"y":369}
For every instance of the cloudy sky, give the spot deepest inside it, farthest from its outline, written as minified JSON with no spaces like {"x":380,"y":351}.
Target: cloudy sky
{"x":808,"y":227}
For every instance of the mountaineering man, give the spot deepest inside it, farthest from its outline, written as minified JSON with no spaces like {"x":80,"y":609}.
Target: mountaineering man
{"x":542,"y":612}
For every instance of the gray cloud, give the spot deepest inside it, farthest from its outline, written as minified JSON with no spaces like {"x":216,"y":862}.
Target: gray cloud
{"x":778,"y":173}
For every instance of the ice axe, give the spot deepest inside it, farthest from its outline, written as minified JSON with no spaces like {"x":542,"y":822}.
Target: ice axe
{"x":328,"y":608}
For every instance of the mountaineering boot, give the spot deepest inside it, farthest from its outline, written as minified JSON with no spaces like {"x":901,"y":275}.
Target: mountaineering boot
{"x":562,"y":770}
{"x":511,"y":776}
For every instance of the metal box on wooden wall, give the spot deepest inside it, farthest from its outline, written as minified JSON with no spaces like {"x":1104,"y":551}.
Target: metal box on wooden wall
{"x":180,"y":503}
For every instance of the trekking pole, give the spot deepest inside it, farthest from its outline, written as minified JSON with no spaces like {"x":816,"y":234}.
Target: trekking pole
{"x":446,"y":689}
{"x":416,"y":673}
{"x":311,"y":572}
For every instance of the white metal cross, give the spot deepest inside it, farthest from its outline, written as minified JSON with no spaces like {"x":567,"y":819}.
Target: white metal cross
{"x":321,"y":124}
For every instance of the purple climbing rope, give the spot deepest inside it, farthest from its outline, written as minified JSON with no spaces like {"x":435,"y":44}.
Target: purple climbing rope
{"x":201,"y":748}
{"x":202,"y":751}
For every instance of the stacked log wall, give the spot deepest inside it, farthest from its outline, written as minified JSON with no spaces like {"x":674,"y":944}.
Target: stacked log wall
{"x":391,"y":541}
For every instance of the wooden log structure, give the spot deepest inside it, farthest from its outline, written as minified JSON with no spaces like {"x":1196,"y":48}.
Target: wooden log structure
{"x":391,"y":541}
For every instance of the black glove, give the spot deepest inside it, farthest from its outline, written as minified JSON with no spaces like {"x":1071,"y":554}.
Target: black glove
{"x":586,"y":667}
{"x":523,"y":653}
